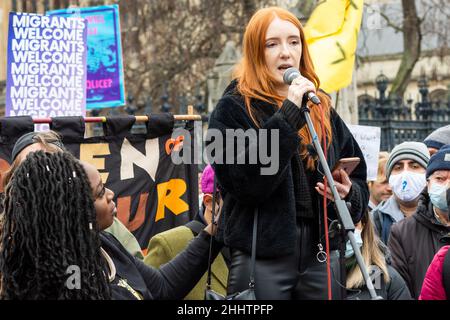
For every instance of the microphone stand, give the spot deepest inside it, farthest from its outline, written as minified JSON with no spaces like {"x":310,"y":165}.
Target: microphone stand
{"x":343,"y":213}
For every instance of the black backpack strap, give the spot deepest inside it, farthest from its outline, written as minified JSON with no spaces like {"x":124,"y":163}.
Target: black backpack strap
{"x":446,"y":274}
{"x":195,"y":226}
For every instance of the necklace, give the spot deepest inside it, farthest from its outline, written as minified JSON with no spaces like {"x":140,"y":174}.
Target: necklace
{"x":111,"y":266}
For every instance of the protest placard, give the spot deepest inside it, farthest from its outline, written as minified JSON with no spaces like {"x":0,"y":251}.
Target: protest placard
{"x":368,"y":139}
{"x":46,"y":74}
{"x":105,"y":79}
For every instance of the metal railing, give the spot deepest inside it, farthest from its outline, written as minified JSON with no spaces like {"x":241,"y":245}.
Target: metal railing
{"x":403,"y":121}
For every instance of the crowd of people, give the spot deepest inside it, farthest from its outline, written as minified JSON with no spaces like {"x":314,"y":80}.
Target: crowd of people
{"x":269,"y":231}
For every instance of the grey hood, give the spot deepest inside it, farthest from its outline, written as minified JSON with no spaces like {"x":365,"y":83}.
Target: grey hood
{"x":390,"y":207}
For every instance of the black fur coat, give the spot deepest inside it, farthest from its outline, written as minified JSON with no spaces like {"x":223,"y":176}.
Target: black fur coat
{"x":244,"y":187}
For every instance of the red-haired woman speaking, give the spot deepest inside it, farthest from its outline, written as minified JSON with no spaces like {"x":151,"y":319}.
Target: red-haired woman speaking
{"x":290,"y":228}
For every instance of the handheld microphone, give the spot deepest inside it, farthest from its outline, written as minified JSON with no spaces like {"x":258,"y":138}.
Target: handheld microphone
{"x":290,"y":74}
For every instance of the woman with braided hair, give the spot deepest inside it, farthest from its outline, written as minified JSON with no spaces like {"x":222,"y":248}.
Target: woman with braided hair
{"x":49,"y":225}
{"x":55,"y":211}
{"x":50,"y":141}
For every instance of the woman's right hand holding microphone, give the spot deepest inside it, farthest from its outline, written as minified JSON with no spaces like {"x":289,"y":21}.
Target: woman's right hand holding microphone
{"x":298,"y":88}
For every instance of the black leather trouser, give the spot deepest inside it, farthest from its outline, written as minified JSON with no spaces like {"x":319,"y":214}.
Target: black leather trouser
{"x":299,"y":276}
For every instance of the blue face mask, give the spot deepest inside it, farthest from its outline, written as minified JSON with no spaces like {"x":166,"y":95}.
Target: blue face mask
{"x":359,"y":242}
{"x":438,"y":196}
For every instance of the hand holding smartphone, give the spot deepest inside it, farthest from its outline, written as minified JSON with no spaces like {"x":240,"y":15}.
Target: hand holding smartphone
{"x":342,"y":181}
{"x":347,"y":164}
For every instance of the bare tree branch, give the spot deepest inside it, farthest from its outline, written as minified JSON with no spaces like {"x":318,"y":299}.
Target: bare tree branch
{"x":390,"y":23}
{"x":412,"y":39}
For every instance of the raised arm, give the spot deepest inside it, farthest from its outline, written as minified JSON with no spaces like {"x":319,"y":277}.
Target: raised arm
{"x":175,"y":279}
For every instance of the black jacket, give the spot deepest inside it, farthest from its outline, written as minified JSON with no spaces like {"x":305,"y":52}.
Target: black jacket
{"x":167,"y":282}
{"x":413,"y":243}
{"x":395,"y":289}
{"x":244,"y":187}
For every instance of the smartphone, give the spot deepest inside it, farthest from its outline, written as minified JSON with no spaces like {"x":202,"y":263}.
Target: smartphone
{"x":348,"y":164}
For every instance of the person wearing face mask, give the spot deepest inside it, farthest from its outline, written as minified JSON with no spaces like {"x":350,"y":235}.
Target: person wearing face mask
{"x":415,"y":241}
{"x":387,"y":281}
{"x":437,"y":139}
{"x":405,"y":171}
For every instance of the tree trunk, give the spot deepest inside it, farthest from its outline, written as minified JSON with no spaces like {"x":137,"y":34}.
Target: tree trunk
{"x":248,"y":8}
{"x":412,"y":38}
{"x":306,"y":7}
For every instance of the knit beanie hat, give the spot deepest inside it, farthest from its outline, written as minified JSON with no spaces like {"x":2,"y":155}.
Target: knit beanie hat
{"x":438,"y":138}
{"x":409,"y":150}
{"x":439,"y":161}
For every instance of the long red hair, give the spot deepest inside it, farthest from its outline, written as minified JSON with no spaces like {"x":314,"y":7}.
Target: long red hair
{"x":255,"y":81}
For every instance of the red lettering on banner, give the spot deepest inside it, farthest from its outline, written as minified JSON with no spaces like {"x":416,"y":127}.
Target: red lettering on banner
{"x":96,"y":84}
{"x":92,"y":31}
{"x":4,"y":166}
{"x":139,"y":217}
{"x":95,"y":19}
{"x":123,"y":211}
{"x":174,"y":144}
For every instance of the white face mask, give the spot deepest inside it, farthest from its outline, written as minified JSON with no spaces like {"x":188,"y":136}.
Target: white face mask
{"x":407,"y":185}
{"x":348,"y":246}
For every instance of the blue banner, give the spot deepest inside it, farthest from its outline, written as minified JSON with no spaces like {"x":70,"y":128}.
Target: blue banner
{"x":105,"y":80}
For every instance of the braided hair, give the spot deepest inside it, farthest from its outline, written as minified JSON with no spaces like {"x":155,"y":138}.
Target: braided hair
{"x":50,"y":226}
